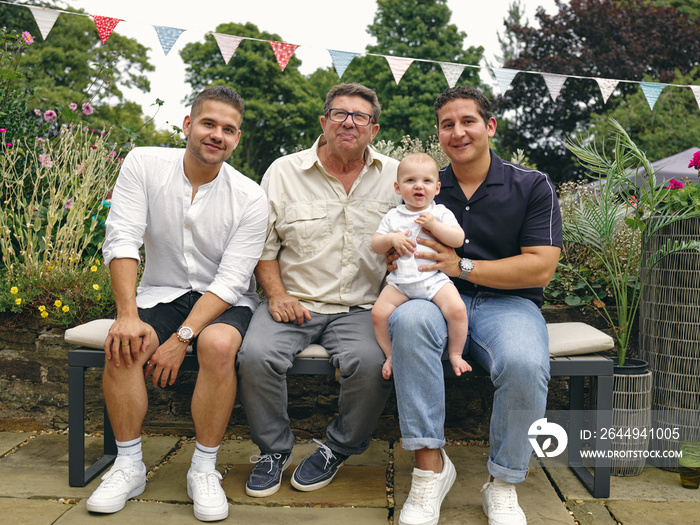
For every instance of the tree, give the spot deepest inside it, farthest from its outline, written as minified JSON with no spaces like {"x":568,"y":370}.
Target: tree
{"x":73,"y":66}
{"x":590,"y":38}
{"x":282,"y":109}
{"x":418,"y":29}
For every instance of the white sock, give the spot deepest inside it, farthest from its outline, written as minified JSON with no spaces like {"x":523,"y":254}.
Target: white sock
{"x":204,"y":456}
{"x":131,"y":450}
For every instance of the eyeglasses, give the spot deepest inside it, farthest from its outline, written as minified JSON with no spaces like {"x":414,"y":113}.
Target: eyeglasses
{"x":358,"y":118}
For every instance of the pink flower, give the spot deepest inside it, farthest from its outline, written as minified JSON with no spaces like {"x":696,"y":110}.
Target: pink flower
{"x":8,"y":144}
{"x":37,"y":112}
{"x":28,"y":39}
{"x":3,"y":130}
{"x":673,"y":184}
{"x":45,"y":160}
{"x":69,"y":204}
{"x":695,"y":163}
{"x":73,"y":106}
{"x":87,"y":109}
{"x":50,"y":115}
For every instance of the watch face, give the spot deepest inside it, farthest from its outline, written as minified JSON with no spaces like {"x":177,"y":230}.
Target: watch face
{"x":185,"y":332}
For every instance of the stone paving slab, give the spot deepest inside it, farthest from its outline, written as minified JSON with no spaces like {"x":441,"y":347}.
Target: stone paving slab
{"x":157,"y":513}
{"x":9,"y":440}
{"x":15,"y":511}
{"x":40,"y":468}
{"x":666,"y":513}
{"x":536,"y":495}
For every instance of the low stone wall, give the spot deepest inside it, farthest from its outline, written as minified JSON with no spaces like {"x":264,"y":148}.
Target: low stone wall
{"x":34,"y":392}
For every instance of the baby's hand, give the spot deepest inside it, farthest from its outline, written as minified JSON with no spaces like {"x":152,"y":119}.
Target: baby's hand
{"x":387,"y":368}
{"x":426,"y":220}
{"x":402,"y":243}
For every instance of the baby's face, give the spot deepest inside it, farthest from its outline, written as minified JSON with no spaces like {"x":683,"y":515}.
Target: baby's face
{"x":417,"y":184}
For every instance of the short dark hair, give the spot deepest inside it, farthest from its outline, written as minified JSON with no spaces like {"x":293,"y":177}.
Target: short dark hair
{"x":353,"y":90}
{"x":219,"y":94}
{"x":483,"y":104}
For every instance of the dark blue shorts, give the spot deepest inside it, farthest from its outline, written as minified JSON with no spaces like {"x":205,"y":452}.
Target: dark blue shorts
{"x":166,"y":318}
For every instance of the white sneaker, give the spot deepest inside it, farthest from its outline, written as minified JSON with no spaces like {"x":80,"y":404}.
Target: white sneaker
{"x":428,"y":489}
{"x":122,"y":482}
{"x":500,"y":503}
{"x":204,"y":488}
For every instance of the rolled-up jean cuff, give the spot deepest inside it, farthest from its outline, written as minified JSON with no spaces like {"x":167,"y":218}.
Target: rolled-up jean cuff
{"x":508,"y":475}
{"x":419,"y":443}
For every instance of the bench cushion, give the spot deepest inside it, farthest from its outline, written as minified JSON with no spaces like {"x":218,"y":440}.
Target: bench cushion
{"x":564,"y":338}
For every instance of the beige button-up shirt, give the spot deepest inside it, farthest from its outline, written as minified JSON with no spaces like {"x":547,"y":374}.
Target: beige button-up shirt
{"x":320,"y":235}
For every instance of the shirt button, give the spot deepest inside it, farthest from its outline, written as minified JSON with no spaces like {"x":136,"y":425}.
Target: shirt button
{"x":466,"y":241}
{"x":467,"y":208}
{"x":187,"y":226}
{"x":188,"y":254}
{"x":191,"y":278}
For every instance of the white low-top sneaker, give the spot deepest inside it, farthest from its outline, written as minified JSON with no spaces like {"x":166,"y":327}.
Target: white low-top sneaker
{"x":500,"y":503}
{"x":204,"y":488}
{"x":428,"y":489}
{"x":122,"y":482}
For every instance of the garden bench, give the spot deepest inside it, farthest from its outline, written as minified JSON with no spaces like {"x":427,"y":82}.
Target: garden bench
{"x":573,"y":354}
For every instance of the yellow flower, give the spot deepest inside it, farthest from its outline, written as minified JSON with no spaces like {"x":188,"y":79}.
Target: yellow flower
{"x":42,"y":308}
{"x":99,"y":296}
{"x":49,"y":267}
{"x":57,"y":303}
{"x":65,"y":308}
{"x":44,"y":314}
{"x":14,"y":290}
{"x":18,"y":301}
{"x":95,"y":287}
{"x":97,"y":262}
{"x":93,"y":268}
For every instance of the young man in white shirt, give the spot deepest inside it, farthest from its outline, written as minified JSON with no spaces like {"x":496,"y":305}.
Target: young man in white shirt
{"x":203,"y":227}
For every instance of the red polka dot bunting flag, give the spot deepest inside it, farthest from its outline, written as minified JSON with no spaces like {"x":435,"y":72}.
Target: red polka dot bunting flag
{"x":283,"y":52}
{"x":105,"y":25}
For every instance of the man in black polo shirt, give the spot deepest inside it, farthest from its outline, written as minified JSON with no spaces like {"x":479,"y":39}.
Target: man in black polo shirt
{"x":510,"y":216}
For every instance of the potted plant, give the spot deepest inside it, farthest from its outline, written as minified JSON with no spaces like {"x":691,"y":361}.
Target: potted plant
{"x":627,"y":204}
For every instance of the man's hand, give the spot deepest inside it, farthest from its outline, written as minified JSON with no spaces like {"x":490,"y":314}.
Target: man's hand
{"x":166,"y":361}
{"x":286,"y":309}
{"x":446,"y":259}
{"x":127,"y":338}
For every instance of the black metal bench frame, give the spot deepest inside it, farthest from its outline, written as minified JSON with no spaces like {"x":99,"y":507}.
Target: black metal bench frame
{"x":577,"y":368}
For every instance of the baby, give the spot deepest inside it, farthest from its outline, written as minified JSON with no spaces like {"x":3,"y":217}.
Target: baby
{"x":417,"y":182}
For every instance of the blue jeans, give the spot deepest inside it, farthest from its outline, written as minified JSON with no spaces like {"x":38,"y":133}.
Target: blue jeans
{"x":508,"y":337}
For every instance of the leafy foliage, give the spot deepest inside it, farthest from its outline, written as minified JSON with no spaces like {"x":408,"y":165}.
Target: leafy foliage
{"x":591,"y":38}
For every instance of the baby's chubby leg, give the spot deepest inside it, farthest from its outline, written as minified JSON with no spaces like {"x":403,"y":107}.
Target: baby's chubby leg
{"x":387,"y":302}
{"x":455,"y":313}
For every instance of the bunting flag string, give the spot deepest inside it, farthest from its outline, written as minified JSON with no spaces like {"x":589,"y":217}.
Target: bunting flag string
{"x":46,"y":17}
{"x":283,"y":52}
{"x":398,"y":66}
{"x":341,"y":60}
{"x":607,"y":86}
{"x":227,"y":45}
{"x":105,"y":25}
{"x":554,"y":84}
{"x":168,"y":36}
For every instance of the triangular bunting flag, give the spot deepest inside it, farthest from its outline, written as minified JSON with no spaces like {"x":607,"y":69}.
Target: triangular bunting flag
{"x":652,"y":90}
{"x":504,"y":77}
{"x":696,"y":92}
{"x":554,"y":83}
{"x":452,"y":72}
{"x":283,"y":52}
{"x":105,"y":25}
{"x":45,"y":19}
{"x":168,"y":36}
{"x":227,"y":45}
{"x":398,"y":66}
{"x":607,"y":86}
{"x":341,"y":60}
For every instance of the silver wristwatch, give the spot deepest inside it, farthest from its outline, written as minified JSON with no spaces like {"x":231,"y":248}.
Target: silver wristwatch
{"x":185,"y":334}
{"x":466,"y":265}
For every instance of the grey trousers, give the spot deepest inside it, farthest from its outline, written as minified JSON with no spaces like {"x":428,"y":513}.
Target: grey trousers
{"x":267,"y":353}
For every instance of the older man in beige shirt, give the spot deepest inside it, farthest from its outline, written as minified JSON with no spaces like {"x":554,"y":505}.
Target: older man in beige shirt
{"x":321,"y":279}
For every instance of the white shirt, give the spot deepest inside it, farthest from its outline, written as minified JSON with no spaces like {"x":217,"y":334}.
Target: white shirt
{"x":320,"y":234}
{"x":210,"y":244}
{"x":401,"y":219}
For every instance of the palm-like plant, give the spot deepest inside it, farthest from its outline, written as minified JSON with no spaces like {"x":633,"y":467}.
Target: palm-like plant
{"x":627,"y":198}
